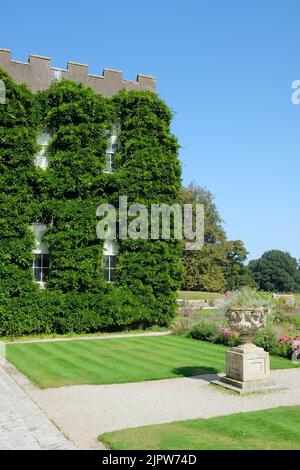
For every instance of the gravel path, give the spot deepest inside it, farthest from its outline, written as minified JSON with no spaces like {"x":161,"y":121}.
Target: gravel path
{"x":80,"y":338}
{"x":83,"y":412}
{"x":23,"y":426}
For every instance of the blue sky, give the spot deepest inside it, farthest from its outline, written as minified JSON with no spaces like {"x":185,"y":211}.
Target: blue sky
{"x":224,"y":67}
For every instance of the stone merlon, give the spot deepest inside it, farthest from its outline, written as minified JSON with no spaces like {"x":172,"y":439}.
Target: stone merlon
{"x":38,"y":74}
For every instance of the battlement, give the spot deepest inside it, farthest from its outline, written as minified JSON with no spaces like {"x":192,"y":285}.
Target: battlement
{"x":38,"y":74}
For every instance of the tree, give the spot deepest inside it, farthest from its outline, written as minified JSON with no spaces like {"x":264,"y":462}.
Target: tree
{"x":220,"y":264}
{"x":276,"y":271}
{"x":194,"y":194}
{"x":236,"y":273}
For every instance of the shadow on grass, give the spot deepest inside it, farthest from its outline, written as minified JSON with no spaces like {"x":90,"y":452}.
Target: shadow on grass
{"x":207,"y":373}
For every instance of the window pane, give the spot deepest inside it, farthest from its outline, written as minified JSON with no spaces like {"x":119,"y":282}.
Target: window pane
{"x":45,"y":273}
{"x":112,"y":275}
{"x":109,"y":162}
{"x":38,"y":261}
{"x":45,"y":261}
{"x":38,"y":274}
{"x":109,"y":263}
{"x":113,"y":261}
{"x":112,"y":162}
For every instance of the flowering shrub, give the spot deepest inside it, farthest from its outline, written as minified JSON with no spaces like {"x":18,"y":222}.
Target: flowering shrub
{"x":287,"y":345}
{"x":206,"y":330}
{"x":266,"y":338}
{"x":296,"y":343}
{"x":228,"y":337}
{"x":181,"y":326}
{"x":225,"y":331}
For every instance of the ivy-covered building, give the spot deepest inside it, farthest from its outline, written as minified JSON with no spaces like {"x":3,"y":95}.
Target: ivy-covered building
{"x":70,"y":141}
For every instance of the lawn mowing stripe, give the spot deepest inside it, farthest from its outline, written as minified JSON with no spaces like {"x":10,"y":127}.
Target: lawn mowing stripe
{"x":170,"y":352}
{"x":250,"y":430}
{"x":119,"y":365}
{"x":119,"y":360}
{"x":98,"y":369}
{"x":60,"y":359}
{"x":163,"y":357}
{"x":72,"y":349}
{"x":76,"y":375}
{"x":210,"y":348}
{"x":188,"y":345}
{"x":45,"y":367}
{"x":126,"y":360}
{"x":211,"y":353}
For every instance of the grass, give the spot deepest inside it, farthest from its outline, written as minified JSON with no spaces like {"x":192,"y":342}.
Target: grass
{"x":197,"y":295}
{"x":108,"y":361}
{"x":273,"y":429}
{"x":297,"y":298}
{"x":296,"y":319}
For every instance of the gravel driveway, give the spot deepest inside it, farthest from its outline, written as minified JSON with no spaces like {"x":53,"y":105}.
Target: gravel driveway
{"x":83,"y":412}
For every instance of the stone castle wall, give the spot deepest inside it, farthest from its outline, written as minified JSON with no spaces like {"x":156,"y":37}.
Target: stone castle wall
{"x":38,"y":74}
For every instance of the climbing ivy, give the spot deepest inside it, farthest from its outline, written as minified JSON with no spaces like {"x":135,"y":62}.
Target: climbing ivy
{"x":66,"y":196}
{"x":18,"y":123}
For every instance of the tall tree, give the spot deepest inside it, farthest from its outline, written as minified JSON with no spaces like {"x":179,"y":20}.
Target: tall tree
{"x":276,"y":271}
{"x":219,"y":266}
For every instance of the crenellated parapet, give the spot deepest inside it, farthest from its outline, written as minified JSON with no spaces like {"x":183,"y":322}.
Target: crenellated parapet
{"x":38,"y":74}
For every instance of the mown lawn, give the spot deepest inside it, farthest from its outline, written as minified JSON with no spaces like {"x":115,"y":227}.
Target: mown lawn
{"x":197,"y":295}
{"x":297,"y":298}
{"x":272,"y":429}
{"x":108,"y":361}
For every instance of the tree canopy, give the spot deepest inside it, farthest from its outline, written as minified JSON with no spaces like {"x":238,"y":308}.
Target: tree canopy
{"x":276,"y":271}
{"x":219,"y":265}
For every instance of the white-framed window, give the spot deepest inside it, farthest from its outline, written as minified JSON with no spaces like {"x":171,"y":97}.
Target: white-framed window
{"x":109,"y":260}
{"x":41,"y":268}
{"x":40,"y":159}
{"x":41,"y":262}
{"x":111,"y":150}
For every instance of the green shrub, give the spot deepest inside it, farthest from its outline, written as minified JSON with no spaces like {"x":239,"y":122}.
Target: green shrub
{"x":213,"y":332}
{"x":205,"y":331}
{"x":266,"y":339}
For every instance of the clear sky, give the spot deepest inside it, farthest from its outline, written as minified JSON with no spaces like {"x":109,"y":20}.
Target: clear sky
{"x":224,"y":67}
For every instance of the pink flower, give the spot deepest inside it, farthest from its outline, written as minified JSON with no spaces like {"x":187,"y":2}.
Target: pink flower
{"x":296,"y":344}
{"x":225,"y":331}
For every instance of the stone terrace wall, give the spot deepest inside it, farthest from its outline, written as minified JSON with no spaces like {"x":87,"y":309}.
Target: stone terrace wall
{"x":38,"y":74}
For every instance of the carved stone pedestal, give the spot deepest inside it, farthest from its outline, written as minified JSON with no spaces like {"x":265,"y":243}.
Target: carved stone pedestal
{"x":247,"y":363}
{"x":247,"y":370}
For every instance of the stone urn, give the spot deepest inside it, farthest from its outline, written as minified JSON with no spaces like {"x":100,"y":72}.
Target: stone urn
{"x":247,"y":366}
{"x":246,"y":321}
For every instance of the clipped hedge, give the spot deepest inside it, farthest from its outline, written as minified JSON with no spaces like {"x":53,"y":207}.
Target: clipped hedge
{"x":65,"y":197}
